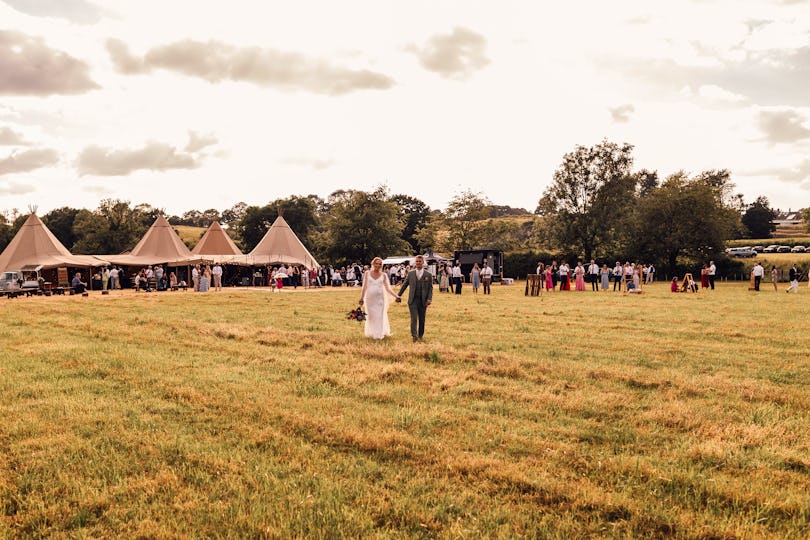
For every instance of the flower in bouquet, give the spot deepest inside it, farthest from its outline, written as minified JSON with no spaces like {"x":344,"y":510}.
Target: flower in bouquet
{"x":357,"y":314}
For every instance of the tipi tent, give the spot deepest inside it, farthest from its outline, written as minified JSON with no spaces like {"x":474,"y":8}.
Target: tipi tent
{"x":34,"y":244}
{"x":159,"y":245}
{"x":216,"y":243}
{"x":279,"y":245}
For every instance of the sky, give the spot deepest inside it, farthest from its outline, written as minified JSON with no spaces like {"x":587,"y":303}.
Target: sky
{"x":199,"y":104}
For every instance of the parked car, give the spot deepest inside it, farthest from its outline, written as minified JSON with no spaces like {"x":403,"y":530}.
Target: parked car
{"x":771,"y":249}
{"x":742,"y":252}
{"x":783,"y":249}
{"x":798,"y":249}
{"x":758,"y":249}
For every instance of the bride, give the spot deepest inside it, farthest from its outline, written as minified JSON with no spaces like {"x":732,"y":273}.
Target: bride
{"x":374,"y":295}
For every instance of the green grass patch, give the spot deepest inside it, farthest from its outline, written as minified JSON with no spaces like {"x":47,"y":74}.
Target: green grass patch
{"x":249,"y":414}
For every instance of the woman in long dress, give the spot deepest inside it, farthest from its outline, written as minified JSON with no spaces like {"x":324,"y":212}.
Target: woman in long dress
{"x":444,"y":281}
{"x":375,"y":297}
{"x":475,"y":278}
{"x":549,"y":278}
{"x":205,"y":279}
{"x":605,"y":273}
{"x":579,"y":272}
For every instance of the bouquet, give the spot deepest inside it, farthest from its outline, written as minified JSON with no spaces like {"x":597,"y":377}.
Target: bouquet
{"x":357,"y":314}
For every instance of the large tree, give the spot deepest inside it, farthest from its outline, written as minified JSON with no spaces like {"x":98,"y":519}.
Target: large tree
{"x":758,"y":219}
{"x":113,"y":228}
{"x":361,"y":226}
{"x":464,"y":217}
{"x":5,"y":232}
{"x":684,"y":217}
{"x":234,"y":214}
{"x":300,"y":213}
{"x":413,"y":213}
{"x":253,"y":225}
{"x":590,"y":198}
{"x":60,"y":222}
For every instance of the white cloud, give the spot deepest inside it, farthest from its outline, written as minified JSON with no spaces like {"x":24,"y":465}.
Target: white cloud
{"x":197,"y":141}
{"x":215,"y":61}
{"x":9,"y":137}
{"x":621,"y":114}
{"x":457,"y":55}
{"x":30,"y":67}
{"x":76,"y":11}
{"x":783,"y":126}
{"x":28,"y":160}
{"x":154,"y":156}
{"x":14,"y":188}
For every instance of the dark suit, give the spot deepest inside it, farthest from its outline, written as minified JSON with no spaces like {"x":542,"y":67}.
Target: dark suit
{"x":419,"y":296}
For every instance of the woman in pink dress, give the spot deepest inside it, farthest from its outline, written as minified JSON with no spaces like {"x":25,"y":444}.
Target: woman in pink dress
{"x":579,"y":271}
{"x":549,"y":279}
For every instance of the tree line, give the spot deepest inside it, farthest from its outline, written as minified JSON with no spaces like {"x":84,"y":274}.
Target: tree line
{"x":596,"y":206}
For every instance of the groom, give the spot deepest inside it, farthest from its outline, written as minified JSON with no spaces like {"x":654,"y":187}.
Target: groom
{"x":420,"y":296}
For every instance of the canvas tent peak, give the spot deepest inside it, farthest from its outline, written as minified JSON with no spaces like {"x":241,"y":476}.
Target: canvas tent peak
{"x":160,"y":244}
{"x":216,"y":243}
{"x":279,"y":245}
{"x":35,"y":244}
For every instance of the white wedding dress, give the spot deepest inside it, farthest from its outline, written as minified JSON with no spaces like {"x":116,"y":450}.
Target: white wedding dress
{"x":376,"y":303}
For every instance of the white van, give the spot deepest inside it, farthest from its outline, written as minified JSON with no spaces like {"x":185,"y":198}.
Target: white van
{"x":11,"y":280}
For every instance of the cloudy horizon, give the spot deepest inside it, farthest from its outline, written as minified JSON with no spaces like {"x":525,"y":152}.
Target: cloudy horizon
{"x":197,"y":104}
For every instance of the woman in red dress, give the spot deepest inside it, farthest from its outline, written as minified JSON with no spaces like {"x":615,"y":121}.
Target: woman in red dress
{"x":704,"y":277}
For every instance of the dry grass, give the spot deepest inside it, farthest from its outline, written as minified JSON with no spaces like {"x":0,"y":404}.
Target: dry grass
{"x":249,"y":414}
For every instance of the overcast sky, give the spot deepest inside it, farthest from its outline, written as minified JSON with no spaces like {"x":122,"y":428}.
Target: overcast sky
{"x":201,"y":104}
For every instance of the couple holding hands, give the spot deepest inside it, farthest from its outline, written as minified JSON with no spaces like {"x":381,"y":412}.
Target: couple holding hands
{"x":377,"y":291}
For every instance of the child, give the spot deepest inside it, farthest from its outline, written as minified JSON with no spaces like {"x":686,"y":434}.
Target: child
{"x":674,"y":285}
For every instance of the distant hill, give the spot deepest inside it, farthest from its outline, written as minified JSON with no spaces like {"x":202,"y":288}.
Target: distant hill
{"x":189,"y":235}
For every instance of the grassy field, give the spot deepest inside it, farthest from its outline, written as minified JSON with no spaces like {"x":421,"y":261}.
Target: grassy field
{"x":250,"y":414}
{"x":783,"y":261}
{"x":188,"y":234}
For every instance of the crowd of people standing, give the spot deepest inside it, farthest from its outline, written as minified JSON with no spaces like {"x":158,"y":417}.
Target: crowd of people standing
{"x":627,"y":277}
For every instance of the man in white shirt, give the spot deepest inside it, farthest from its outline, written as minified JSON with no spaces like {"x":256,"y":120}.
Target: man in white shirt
{"x":457,"y":277}
{"x":593,"y":275}
{"x":486,"y":277}
{"x":712,"y":272}
{"x":114,"y":278}
{"x":195,"y":277}
{"x":628,"y":273}
{"x":216,"y":272}
{"x":618,"y":273}
{"x":565,"y":285}
{"x":757,"y":272}
{"x":650,"y":273}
